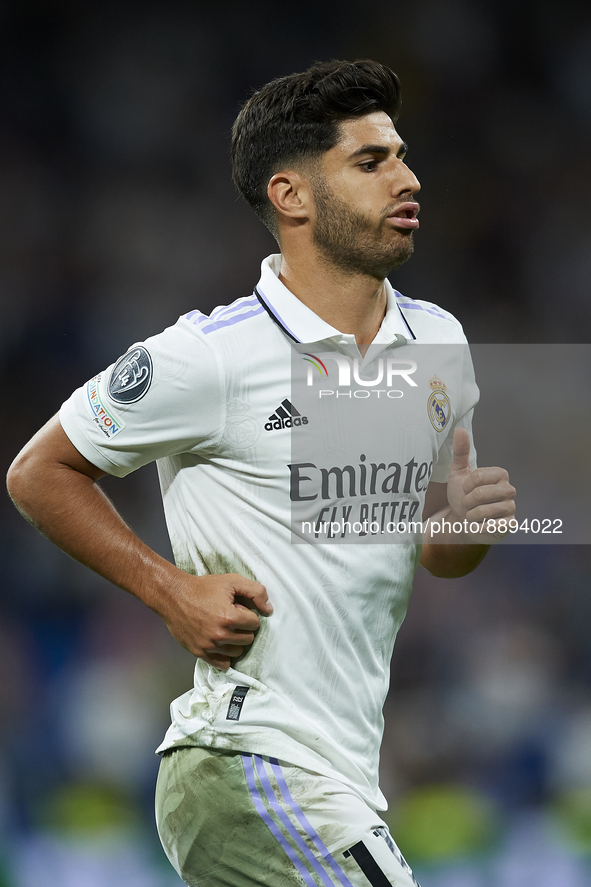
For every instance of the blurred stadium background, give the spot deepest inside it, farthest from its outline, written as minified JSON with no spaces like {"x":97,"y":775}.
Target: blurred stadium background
{"x":117,"y":214}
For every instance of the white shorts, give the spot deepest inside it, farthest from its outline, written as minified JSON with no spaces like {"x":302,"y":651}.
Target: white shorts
{"x":228,"y":819}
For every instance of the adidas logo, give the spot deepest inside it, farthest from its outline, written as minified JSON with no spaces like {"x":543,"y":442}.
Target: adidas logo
{"x":285,"y":416}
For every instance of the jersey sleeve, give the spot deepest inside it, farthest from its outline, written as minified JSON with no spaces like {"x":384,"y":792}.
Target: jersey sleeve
{"x":163,"y":397}
{"x":469,"y":396}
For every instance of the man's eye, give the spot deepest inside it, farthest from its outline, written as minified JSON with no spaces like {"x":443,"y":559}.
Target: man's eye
{"x":369,"y":165}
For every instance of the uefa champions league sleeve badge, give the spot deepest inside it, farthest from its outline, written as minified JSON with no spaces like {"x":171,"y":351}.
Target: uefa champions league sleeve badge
{"x":438,"y":405}
{"x":131,"y":376}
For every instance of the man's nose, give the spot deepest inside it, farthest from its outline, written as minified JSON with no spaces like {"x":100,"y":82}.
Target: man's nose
{"x":405,"y":182}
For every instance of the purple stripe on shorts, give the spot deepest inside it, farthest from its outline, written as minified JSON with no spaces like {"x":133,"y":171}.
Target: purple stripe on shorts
{"x":280,"y":812}
{"x":265,"y":816}
{"x":310,"y":831}
{"x":230,"y":321}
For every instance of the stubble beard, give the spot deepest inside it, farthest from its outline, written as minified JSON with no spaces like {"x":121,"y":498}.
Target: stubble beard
{"x":348,"y":240}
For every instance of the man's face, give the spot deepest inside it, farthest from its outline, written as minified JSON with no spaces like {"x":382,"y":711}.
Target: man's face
{"x":363,"y":191}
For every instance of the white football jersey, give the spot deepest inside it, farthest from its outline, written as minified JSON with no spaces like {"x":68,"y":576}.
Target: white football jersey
{"x":211,"y":400}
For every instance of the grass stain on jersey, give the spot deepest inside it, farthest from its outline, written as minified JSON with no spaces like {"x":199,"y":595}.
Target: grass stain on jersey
{"x":215,"y":564}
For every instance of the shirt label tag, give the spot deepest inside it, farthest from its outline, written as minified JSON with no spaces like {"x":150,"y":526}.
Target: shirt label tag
{"x":236,"y":703}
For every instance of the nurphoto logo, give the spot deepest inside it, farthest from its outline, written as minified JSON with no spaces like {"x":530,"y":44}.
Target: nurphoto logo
{"x":387,"y":372}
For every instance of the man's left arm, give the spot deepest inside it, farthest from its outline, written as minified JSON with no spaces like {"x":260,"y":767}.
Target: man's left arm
{"x":469,"y":497}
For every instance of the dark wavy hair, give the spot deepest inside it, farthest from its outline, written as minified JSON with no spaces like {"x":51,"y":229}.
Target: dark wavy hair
{"x":295,"y":119}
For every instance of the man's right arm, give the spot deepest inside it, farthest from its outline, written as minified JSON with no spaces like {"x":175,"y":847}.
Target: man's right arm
{"x":55,"y":488}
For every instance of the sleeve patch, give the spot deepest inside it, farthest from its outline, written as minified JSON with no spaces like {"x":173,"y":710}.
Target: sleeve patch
{"x":105,"y":419}
{"x":131,"y":376}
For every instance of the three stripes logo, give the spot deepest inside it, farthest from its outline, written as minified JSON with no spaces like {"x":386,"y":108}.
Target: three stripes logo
{"x":316,"y":863}
{"x":285,"y":416}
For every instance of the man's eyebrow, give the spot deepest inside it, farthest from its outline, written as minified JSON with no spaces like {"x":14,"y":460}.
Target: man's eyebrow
{"x":378,"y":149}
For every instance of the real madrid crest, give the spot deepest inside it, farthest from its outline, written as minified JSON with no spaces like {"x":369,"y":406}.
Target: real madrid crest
{"x":438,"y":405}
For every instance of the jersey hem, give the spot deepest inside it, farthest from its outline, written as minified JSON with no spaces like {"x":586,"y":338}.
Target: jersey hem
{"x":272,"y":743}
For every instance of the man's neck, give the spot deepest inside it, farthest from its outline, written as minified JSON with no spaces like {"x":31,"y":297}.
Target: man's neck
{"x":352,"y":303}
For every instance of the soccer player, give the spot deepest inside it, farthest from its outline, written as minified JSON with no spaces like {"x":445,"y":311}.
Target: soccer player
{"x":269,"y":769}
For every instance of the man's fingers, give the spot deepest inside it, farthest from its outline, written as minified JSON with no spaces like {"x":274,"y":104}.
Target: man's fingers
{"x":229,"y":650}
{"x":461,"y":450}
{"x":262,"y":602}
{"x":234,"y":638}
{"x":488,"y":495}
{"x":216,"y":617}
{"x":485,"y":493}
{"x":488,"y":503}
{"x":242,"y":619}
{"x":254,"y":591}
{"x":482,"y":477}
{"x":492,"y":510}
{"x":218,"y":659}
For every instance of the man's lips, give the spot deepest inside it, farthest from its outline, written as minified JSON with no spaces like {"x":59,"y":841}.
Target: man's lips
{"x":405,"y":216}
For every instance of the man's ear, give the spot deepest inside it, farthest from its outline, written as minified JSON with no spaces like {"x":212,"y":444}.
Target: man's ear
{"x":291,"y":195}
